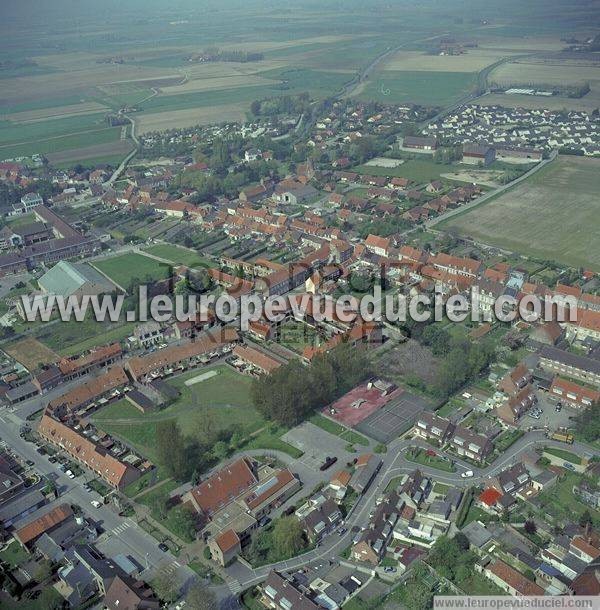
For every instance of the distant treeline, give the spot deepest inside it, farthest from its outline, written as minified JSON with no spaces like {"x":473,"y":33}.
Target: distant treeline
{"x":216,"y":54}
{"x":574,"y":91}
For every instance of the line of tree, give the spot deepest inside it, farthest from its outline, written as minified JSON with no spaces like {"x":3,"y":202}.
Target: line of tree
{"x":292,"y":392}
{"x":588,"y":423}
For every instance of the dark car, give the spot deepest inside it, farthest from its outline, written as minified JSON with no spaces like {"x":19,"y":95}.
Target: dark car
{"x":163,"y":547}
{"x":330,"y":461}
{"x":30,"y":463}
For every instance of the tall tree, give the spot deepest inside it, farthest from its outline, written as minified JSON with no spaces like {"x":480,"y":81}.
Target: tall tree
{"x":171,"y":448}
{"x":288,"y":536}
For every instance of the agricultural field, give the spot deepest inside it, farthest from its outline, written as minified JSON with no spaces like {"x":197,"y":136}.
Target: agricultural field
{"x":418,"y":87}
{"x":112,"y":151}
{"x":30,"y":353}
{"x":587,"y":103}
{"x":55,"y":135}
{"x":553,"y":215}
{"x":473,"y":60}
{"x":551,"y":70}
{"x":125,"y":268}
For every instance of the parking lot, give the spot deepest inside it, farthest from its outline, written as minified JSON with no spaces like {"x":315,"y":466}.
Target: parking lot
{"x":394,"y":418}
{"x":317,"y":444}
{"x":550,"y":417}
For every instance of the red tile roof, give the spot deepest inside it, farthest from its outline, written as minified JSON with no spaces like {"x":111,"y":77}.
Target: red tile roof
{"x":224,"y":486}
{"x":45,"y":523}
{"x":227,"y":540}
{"x":205,"y":342}
{"x":256,"y":357}
{"x":514,"y":579}
{"x":489,"y":496}
{"x":95,"y":457}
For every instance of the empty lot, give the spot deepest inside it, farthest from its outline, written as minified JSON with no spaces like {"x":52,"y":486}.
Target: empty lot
{"x":553,"y":215}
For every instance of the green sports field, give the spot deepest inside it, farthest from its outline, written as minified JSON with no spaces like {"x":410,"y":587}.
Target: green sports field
{"x":125,"y":268}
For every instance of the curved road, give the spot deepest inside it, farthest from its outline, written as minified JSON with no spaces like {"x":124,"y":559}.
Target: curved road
{"x":394,"y":464}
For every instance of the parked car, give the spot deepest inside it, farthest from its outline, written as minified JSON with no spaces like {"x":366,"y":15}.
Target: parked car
{"x":389,"y":569}
{"x":52,"y":459}
{"x":96,"y":504}
{"x":467,"y":474}
{"x":329,"y":461}
{"x":30,"y":463}
{"x":163,"y":547}
{"x":568,"y":465}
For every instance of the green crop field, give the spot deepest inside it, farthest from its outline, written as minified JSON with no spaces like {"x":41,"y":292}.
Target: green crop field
{"x":430,"y":88}
{"x":125,"y":268}
{"x":554,"y":215}
{"x":307,"y":79}
{"x":61,"y":143}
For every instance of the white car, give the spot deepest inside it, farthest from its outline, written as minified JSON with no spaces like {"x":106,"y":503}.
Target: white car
{"x":467,"y":474}
{"x":96,"y":504}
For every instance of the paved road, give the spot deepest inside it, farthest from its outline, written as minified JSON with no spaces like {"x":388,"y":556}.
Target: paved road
{"x":394,"y":464}
{"x":121,"y":535}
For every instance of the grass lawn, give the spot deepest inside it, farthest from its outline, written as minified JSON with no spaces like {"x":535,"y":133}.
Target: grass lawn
{"x":337,"y":430}
{"x":126,"y":268}
{"x":160,"y":492}
{"x":179,"y":255}
{"x":477,"y":584}
{"x":393,"y":483}
{"x":41,"y":603}
{"x":568,"y":456}
{"x":441,"y":488}
{"x":270,"y":439}
{"x":476,"y":514}
{"x":218,"y":403}
{"x":297,"y":335}
{"x":434,"y":461}
{"x":14,"y":554}
{"x":417,"y":170}
{"x":560,"y":501}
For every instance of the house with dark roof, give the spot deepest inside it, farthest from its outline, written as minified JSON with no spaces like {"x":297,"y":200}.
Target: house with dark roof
{"x":372,"y":542}
{"x":322,"y":520}
{"x":281,"y":592}
{"x":125,"y":593}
